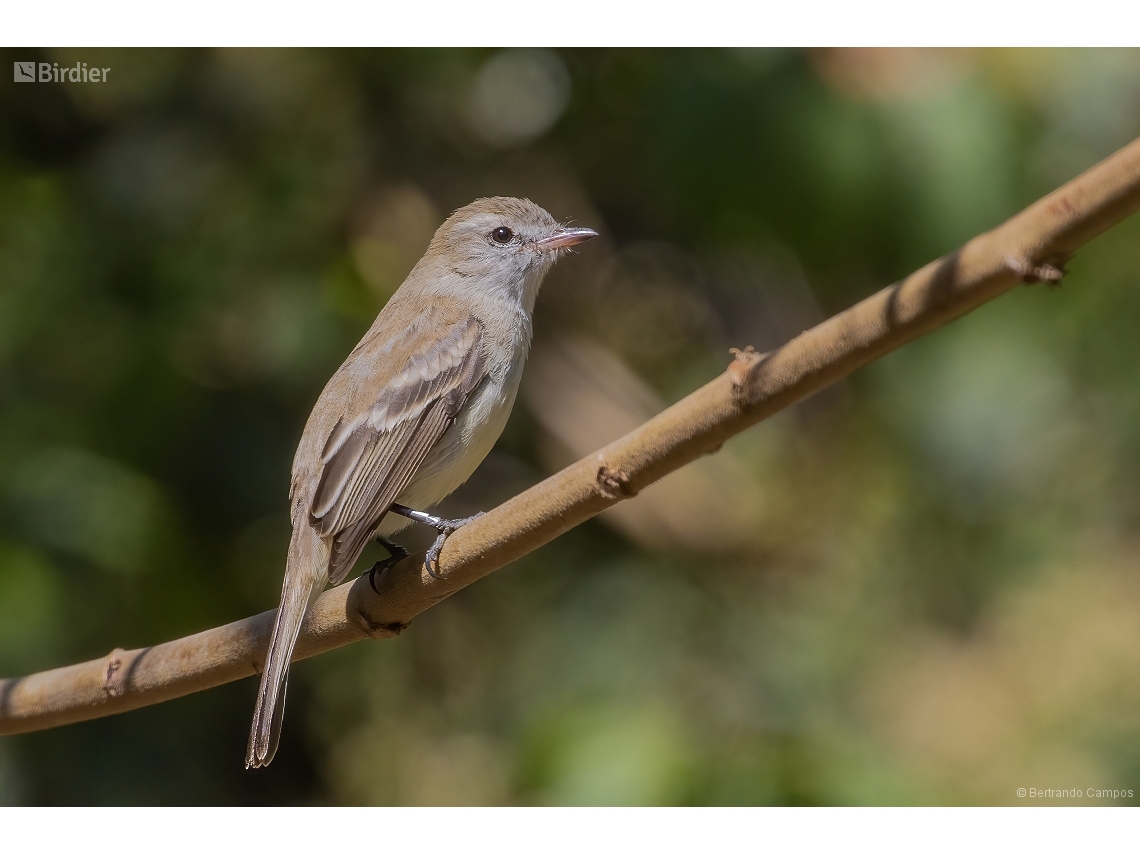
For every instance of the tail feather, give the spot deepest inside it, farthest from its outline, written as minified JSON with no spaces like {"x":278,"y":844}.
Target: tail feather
{"x":307,"y":569}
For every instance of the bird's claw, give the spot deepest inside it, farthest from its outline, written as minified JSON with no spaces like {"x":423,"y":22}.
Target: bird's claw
{"x":396,"y":554}
{"x":431,"y":558}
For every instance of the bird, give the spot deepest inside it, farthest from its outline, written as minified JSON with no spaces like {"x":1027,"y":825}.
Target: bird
{"x":410,"y":414}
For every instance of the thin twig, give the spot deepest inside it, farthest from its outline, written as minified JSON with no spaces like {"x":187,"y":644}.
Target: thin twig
{"x":1032,"y":246}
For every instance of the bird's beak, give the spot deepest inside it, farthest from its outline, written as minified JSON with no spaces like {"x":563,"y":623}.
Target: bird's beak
{"x":564,"y":237}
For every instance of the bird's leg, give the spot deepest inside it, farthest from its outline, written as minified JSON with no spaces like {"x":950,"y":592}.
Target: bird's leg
{"x":445,"y":527}
{"x":396,"y":554}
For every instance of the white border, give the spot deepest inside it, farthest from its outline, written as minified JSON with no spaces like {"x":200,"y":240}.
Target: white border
{"x":562,"y":23}
{"x":553,"y":831}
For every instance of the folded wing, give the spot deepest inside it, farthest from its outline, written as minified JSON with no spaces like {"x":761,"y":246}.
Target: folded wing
{"x":369,"y":459}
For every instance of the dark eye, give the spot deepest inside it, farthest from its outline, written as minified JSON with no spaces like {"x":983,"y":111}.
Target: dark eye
{"x":502,"y":235}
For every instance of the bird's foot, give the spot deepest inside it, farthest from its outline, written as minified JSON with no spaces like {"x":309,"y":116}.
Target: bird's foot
{"x":431,"y":559}
{"x":445,"y":527}
{"x":396,"y":554}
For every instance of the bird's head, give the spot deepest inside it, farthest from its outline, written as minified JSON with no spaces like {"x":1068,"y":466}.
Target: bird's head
{"x":502,"y":245}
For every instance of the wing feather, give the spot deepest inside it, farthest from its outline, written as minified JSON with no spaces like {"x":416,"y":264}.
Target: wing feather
{"x":369,"y":460}
{"x":348,"y":544}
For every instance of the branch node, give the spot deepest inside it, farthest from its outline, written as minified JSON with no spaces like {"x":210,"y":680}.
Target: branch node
{"x":614,"y":483}
{"x":1029,"y":272}
{"x":378,"y":629}
{"x":740,"y":371}
{"x":114,"y":678}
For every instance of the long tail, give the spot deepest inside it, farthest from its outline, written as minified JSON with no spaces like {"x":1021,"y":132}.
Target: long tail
{"x":305,"y":574}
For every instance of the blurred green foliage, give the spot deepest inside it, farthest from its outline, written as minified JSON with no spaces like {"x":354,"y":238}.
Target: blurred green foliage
{"x":918,"y":587}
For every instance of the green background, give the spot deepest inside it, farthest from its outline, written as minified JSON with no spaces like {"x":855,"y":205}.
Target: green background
{"x":919,"y":586}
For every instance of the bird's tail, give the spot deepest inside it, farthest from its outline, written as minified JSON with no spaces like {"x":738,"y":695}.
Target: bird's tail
{"x":304,"y":576}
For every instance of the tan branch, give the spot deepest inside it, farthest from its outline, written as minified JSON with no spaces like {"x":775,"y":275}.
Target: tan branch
{"x":1032,"y":246}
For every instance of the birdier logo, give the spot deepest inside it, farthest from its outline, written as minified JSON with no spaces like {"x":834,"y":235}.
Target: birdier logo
{"x":50,"y":72}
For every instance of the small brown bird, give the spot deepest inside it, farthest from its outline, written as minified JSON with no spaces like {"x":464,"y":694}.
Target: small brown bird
{"x":409,"y":415}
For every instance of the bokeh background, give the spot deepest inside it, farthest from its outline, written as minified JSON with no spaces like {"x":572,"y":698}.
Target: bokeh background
{"x":920,"y":586}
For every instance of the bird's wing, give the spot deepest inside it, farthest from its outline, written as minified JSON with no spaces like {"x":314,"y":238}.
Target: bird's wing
{"x":369,"y":459}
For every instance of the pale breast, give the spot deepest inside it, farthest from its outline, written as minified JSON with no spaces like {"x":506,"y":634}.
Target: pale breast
{"x":466,"y":443}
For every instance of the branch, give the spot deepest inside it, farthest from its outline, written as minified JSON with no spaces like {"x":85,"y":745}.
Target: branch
{"x":1033,"y":246}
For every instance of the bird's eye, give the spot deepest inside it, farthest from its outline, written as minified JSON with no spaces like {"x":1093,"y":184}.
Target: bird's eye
{"x":502,"y":235}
